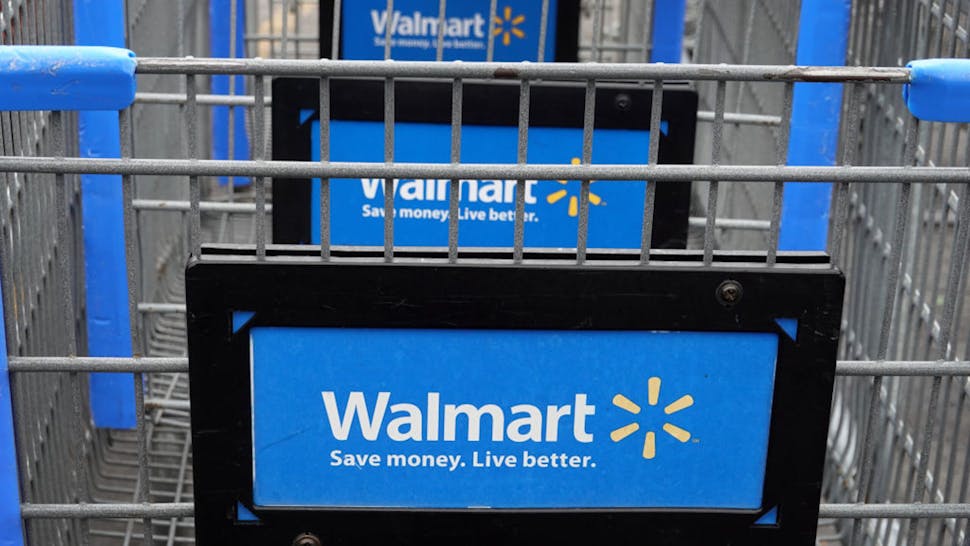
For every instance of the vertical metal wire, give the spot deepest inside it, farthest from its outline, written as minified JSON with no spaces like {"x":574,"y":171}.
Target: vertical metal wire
{"x":389,"y":158}
{"x":259,"y":154}
{"x":191,"y":119}
{"x":324,"y":127}
{"x":543,"y":31}
{"x":272,"y":25}
{"x":778,"y":195}
{"x":296,"y":29}
{"x":943,"y":349}
{"x":455,"y":188}
{"x":284,"y":28}
{"x":65,"y":277}
{"x":647,"y":44}
{"x":440,"y":46}
{"x":596,"y":52}
{"x":131,"y":265}
{"x":388,"y":27}
{"x":518,"y":235}
{"x":653,"y":157}
{"x":717,"y":138}
{"x":231,"y":111}
{"x":840,"y":217}
{"x":490,"y":52}
{"x":589,"y":117}
{"x":867,"y":456}
{"x":335,"y":43}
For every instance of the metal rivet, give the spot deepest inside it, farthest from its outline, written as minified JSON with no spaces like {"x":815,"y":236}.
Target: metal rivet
{"x":729,"y":293}
{"x":306,"y":539}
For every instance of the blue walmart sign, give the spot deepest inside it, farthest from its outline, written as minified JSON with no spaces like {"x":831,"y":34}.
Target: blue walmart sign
{"x":414,"y":30}
{"x":528,"y":419}
{"x":486,"y":207}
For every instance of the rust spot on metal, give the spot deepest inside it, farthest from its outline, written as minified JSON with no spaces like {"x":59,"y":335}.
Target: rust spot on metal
{"x":506,"y":73}
{"x":835,"y":75}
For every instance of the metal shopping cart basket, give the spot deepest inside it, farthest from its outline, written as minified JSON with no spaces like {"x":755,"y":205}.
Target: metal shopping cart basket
{"x":898,"y":226}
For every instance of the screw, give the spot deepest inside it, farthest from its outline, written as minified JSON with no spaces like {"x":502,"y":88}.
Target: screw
{"x":729,"y":293}
{"x":623,"y":102}
{"x":306,"y":539}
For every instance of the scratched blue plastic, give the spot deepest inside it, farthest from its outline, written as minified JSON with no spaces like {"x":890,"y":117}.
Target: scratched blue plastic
{"x":66,"y":78}
{"x":939,"y":90}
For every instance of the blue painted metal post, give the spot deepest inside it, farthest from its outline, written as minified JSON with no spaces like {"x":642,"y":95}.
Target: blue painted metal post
{"x":668,"y":31}
{"x":102,"y":22}
{"x":822,"y":40}
{"x":220,"y":31}
{"x":11,"y":525}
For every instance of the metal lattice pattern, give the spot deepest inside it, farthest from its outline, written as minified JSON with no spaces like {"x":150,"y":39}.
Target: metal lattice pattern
{"x":898,"y":456}
{"x":903,"y":439}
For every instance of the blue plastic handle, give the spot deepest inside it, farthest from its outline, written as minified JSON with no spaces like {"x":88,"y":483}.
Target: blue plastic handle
{"x":939,"y":90}
{"x":66,"y":78}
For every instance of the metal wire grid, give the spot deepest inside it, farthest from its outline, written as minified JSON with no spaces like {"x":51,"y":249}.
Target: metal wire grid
{"x":176,"y":168}
{"x":162,"y":508}
{"x":40,"y":320}
{"x":744,"y":32}
{"x":904,"y":439}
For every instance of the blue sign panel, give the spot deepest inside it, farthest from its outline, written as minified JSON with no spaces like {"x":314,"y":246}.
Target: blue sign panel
{"x":486,"y":207}
{"x":528,"y":419}
{"x":414,"y":30}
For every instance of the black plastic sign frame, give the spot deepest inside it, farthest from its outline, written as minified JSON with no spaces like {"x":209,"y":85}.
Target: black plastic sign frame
{"x":684,"y":297}
{"x":495,"y":103}
{"x":567,"y":30}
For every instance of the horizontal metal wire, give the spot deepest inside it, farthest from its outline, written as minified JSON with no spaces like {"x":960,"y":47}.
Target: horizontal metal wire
{"x":249,"y":100}
{"x":746,"y":119}
{"x":154,"y":307}
{"x":184,"y":509}
{"x":163,"y":403}
{"x":523,"y":70}
{"x":209,"y":100}
{"x":731,"y":223}
{"x":927,"y":368}
{"x":105,"y":510}
{"x":908,"y":510}
{"x":204,"y":206}
{"x":97,"y":364}
{"x":309,"y":169}
{"x":22,"y":364}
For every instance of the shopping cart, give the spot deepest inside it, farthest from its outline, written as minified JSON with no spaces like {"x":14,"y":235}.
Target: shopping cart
{"x":898,"y":454}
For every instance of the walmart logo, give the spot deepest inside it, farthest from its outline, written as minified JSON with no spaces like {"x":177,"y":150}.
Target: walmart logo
{"x":508,"y":26}
{"x":573,"y":207}
{"x":653,"y":397}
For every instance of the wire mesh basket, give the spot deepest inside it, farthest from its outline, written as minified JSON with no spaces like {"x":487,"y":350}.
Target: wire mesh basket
{"x":898,"y":226}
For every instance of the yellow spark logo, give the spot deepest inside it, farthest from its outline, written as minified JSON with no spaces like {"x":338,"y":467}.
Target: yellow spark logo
{"x":508,"y":26}
{"x":573,"y":209}
{"x":653,"y":396}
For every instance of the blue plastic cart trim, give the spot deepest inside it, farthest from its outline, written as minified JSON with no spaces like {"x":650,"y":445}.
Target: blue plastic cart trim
{"x":769,"y":518}
{"x":822,"y":39}
{"x":11,"y":525}
{"x":940,"y":90}
{"x":66,"y":78}
{"x":98,"y":23}
{"x":789,"y":325}
{"x":219,"y":33}
{"x":668,"y":31}
{"x":244,"y":514}
{"x":240,"y":318}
